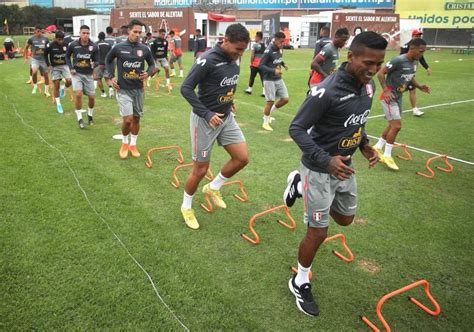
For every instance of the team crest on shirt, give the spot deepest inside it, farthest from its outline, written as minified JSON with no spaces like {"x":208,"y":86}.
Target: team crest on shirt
{"x":317,"y":216}
{"x":64,"y":48}
{"x":370,"y":90}
{"x":204,"y":153}
{"x":140,"y":53}
{"x":91,"y":48}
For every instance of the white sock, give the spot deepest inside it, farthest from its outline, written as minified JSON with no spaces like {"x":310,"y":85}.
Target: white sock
{"x":249,"y":88}
{"x":35,"y":86}
{"x":187,"y":201}
{"x":302,"y":277}
{"x":111,"y":91}
{"x":173,"y":72}
{"x":415,"y":109}
{"x":218,"y":181}
{"x":95,"y":85}
{"x":90,"y":111}
{"x":273,"y":109}
{"x":380,"y":143}
{"x":125,"y":139}
{"x":58,"y":101}
{"x":181,"y":72}
{"x":46,"y":88}
{"x":266,"y":119}
{"x":79,"y":115}
{"x":388,"y":150}
{"x":167,"y":81}
{"x":62,"y":86}
{"x":133,"y":140}
{"x":299,"y":187}
{"x":31,"y":78}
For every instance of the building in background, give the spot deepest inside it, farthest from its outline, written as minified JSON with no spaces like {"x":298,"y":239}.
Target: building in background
{"x":97,"y":23}
{"x":100,"y":6}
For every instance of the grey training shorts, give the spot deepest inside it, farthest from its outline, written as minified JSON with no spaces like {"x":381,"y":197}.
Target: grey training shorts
{"x":177,"y":59}
{"x":323,"y":192}
{"x":203,"y":136}
{"x":84,"y":83}
{"x":393,"y":111}
{"x":99,"y":72}
{"x":130,"y":102}
{"x":274,"y":90}
{"x":162,"y":61}
{"x":39,"y":64}
{"x":59,"y":72}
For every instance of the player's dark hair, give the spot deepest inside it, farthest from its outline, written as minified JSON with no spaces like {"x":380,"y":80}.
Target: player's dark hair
{"x":325,"y":29}
{"x":86,"y":27}
{"x":341,"y":32}
{"x":124,"y":29}
{"x":279,"y":35}
{"x":198,"y":30}
{"x":101,"y":35}
{"x":171,"y":33}
{"x":162,"y":30}
{"x":237,"y":33}
{"x":148,"y":34}
{"x":417,"y":42}
{"x":368,"y":39}
{"x":59,"y":34}
{"x":259,"y":34}
{"x":109,"y":30}
{"x":134,"y":23}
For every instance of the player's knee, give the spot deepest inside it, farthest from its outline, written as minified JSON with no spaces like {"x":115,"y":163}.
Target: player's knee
{"x":78,"y":94}
{"x":344,"y":220}
{"x":316,"y":235}
{"x":127,"y":120}
{"x":200,"y":171}
{"x":284,"y":101}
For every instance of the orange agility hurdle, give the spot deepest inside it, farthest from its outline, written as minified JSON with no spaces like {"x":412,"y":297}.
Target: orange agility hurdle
{"x":208,"y":207}
{"x":175,"y":183}
{"x":258,"y":215}
{"x":149,"y":162}
{"x":384,"y":298}
{"x":432,"y":173}
{"x":407,"y":155}
{"x":341,"y":236}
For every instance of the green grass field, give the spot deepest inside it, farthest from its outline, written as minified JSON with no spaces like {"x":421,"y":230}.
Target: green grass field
{"x":66,"y":200}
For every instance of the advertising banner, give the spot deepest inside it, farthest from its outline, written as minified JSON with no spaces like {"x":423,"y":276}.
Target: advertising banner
{"x":270,"y":25}
{"x":447,"y":14}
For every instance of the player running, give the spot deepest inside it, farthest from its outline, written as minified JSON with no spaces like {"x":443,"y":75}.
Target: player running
{"x":38,"y":43}
{"x":216,"y":73}
{"x":131,"y":56}
{"x":55,"y":57}
{"x":394,"y":78}
{"x":176,"y":54}
{"x":99,"y":71}
{"x":257,"y":53}
{"x":84,"y":54}
{"x":159,"y":49}
{"x":329,"y":128}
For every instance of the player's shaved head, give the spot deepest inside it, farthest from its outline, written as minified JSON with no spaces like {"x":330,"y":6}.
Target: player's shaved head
{"x":368,"y":39}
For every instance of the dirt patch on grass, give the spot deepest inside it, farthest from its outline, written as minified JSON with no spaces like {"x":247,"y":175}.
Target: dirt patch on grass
{"x":360,"y":221}
{"x":369,"y":266}
{"x":288,"y":139}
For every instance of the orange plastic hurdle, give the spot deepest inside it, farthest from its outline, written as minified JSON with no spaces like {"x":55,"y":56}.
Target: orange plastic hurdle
{"x":432,"y":173}
{"x":149,"y":162}
{"x":378,"y":309}
{"x":281,"y":222}
{"x":208,"y":207}
{"x":407,"y":155}
{"x":175,"y":183}
{"x":341,"y":236}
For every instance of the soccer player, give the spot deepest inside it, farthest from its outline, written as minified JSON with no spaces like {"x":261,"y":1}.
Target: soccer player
{"x":9,"y":48}
{"x":176,"y":54}
{"x":123,"y":34}
{"x":324,"y":63}
{"x":38,"y":44}
{"x":84,"y":54}
{"x":411,"y":88}
{"x":131,"y":56}
{"x":211,"y":117}
{"x":273,"y":84}
{"x":111,"y":40}
{"x":394,"y":78}
{"x":200,"y":44}
{"x":104,"y":48}
{"x":55,"y":57}
{"x":336,"y":111}
{"x":159,"y":49}
{"x":257,"y":53}
{"x":323,"y":40}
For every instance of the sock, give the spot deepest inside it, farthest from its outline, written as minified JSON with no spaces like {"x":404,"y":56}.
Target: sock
{"x":46,"y":88}
{"x":415,"y":109}
{"x":111,"y":90}
{"x":133,"y":140}
{"x":62,"y":86}
{"x":79,"y":115}
{"x":31,"y":78}
{"x":302,"y":277}
{"x":125,"y":139}
{"x":173,"y":72}
{"x":95,"y":85}
{"x":181,"y":72}
{"x":249,"y":88}
{"x":187,"y":201}
{"x":58,"y":101}
{"x":90,"y":111}
{"x":273,"y":109}
{"x":167,"y":81}
{"x":218,"y":181}
{"x":388,"y":150}
{"x":266,"y":119}
{"x":299,"y":187}
{"x":35,"y":86}
{"x":381,"y":142}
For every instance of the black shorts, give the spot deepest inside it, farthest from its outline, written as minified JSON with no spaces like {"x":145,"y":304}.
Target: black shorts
{"x":410,"y":86}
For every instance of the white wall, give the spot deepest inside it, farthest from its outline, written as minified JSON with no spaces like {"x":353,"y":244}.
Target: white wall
{"x":299,"y":26}
{"x":97,"y":23}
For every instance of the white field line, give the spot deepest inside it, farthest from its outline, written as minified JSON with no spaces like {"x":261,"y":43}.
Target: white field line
{"x":84,"y":193}
{"x":431,"y":152}
{"x":427,"y":107}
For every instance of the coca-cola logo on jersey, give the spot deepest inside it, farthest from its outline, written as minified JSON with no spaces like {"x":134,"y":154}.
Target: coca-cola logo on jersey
{"x":355,"y":120}
{"x":128,"y":64}
{"x":226,"y":81}
{"x":83,"y":56}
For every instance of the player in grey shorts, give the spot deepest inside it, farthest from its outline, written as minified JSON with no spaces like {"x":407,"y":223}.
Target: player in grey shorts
{"x":327,"y":179}
{"x":176,"y":54}
{"x":394,"y":78}
{"x":130,"y":102}
{"x":212,"y":119}
{"x":38,"y":44}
